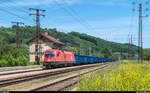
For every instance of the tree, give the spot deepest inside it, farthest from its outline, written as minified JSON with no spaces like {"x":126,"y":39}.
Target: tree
{"x":147,"y":54}
{"x":10,"y":55}
{"x":107,"y":53}
{"x":99,"y":47}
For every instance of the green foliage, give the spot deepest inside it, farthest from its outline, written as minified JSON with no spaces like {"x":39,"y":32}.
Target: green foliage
{"x":31,"y":64}
{"x":3,"y":63}
{"x":12,"y":56}
{"x":79,"y":43}
{"x":147,"y":54}
{"x":107,"y":53}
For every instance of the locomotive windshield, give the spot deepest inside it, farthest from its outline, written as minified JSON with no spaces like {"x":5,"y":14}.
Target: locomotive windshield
{"x":50,"y":54}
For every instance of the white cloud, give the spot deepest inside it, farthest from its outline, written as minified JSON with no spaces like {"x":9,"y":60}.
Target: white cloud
{"x":108,"y":3}
{"x":26,"y":3}
{"x":113,"y":2}
{"x":17,"y":3}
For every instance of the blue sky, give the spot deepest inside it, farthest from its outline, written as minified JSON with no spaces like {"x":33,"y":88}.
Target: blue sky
{"x":111,"y":20}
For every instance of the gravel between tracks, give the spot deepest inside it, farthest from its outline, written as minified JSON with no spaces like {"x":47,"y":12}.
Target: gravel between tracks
{"x":54,"y":70}
{"x":25,"y":86}
{"x":8,"y":77}
{"x":61,"y":83}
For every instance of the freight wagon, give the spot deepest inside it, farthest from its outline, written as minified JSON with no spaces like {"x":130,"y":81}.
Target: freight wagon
{"x":56,"y":57}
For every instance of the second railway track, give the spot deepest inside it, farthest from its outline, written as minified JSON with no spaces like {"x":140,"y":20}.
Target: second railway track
{"x":65,"y":82}
{"x":13,"y":81}
{"x":19,"y":71}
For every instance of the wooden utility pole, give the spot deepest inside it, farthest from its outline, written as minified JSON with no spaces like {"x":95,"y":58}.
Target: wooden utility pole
{"x":17,"y":33}
{"x":37,"y":31}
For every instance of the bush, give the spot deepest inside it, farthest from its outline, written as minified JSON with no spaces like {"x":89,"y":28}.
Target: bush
{"x":12,"y":56}
{"x":23,"y":61}
{"x":3,"y":63}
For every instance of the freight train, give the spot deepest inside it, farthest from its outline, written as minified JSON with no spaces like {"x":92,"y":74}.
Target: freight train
{"x":56,"y":57}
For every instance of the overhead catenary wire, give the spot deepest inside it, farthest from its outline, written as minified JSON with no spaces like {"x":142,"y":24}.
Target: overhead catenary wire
{"x":129,"y":29}
{"x":77,"y":15}
{"x":59,"y":26}
{"x":11,"y":13}
{"x":10,"y":3}
{"x":70,"y":12}
{"x":20,"y":9}
{"x":140,"y":35}
{"x":72,"y":15}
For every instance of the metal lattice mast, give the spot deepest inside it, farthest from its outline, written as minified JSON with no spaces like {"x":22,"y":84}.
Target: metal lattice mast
{"x":140,"y":35}
{"x":38,"y":52}
{"x":17,"y":33}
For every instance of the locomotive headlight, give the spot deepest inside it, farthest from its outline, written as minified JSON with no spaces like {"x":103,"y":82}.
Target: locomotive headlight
{"x":49,"y":60}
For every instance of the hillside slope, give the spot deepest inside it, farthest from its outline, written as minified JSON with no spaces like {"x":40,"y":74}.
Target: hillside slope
{"x":90,"y":45}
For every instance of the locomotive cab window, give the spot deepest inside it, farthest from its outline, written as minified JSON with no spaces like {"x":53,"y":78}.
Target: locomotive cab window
{"x":58,"y":54}
{"x":50,"y":54}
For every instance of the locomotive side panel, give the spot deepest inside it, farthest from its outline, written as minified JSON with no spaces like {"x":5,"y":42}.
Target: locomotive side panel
{"x":60,"y":56}
{"x":69,"y":57}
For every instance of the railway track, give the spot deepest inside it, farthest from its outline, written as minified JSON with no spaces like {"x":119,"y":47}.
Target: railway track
{"x":13,"y":81}
{"x":63,"y":83}
{"x":5,"y":69}
{"x":19,"y":71}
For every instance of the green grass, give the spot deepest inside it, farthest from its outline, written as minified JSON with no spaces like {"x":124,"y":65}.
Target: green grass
{"x":125,"y":76}
{"x":136,"y":62}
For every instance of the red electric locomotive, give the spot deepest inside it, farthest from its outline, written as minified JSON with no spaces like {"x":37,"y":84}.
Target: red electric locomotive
{"x":54,"y":57}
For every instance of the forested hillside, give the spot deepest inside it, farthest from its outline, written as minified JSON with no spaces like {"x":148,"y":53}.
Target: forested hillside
{"x":74,"y":41}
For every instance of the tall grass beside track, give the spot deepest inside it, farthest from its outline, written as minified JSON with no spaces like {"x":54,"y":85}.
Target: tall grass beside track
{"x":125,"y":76}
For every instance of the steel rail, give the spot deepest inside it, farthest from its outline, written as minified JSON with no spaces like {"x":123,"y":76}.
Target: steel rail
{"x":13,"y":81}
